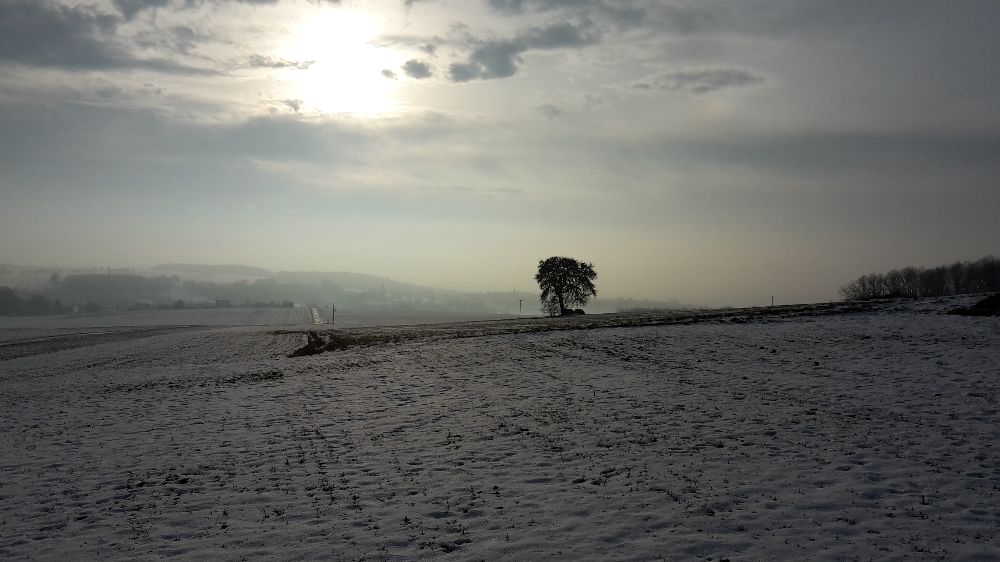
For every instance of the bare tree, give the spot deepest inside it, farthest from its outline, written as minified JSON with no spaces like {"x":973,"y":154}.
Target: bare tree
{"x":565,"y":282}
{"x":979,"y":276}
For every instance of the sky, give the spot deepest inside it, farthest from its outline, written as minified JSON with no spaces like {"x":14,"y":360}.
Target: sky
{"x":705,"y":151}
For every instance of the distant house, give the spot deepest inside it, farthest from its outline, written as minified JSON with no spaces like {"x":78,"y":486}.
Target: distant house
{"x":223,"y":303}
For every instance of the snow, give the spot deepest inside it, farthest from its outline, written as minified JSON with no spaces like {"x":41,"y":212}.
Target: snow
{"x":870,"y":434}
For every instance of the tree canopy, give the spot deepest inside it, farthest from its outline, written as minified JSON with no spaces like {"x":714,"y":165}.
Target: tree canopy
{"x":565,"y":282}
{"x":959,"y":278}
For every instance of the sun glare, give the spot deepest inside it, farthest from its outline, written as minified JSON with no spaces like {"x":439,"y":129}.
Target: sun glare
{"x":345,"y":74}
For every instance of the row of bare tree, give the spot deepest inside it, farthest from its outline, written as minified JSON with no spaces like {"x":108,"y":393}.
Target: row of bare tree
{"x":959,"y":278}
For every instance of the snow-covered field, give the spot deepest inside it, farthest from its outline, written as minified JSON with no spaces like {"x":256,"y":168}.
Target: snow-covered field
{"x":30,"y":335}
{"x":157,"y":318}
{"x":870,"y":434}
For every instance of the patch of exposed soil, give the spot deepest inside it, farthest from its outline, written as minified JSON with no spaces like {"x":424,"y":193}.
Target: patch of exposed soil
{"x":990,"y":306}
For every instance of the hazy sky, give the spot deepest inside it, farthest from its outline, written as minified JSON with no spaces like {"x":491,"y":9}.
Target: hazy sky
{"x":714,"y":152}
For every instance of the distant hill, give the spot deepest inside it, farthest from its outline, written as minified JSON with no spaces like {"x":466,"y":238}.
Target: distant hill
{"x":209,"y":269}
{"x":353,"y":281}
{"x":244,"y":285}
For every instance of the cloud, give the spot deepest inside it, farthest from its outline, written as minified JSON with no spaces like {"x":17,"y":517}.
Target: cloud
{"x":294,"y":105}
{"x":463,"y":72}
{"x":507,"y":6}
{"x":501,"y":58}
{"x":263,"y":61}
{"x":549,"y":110}
{"x":808,"y":20}
{"x":129,"y":8}
{"x":391,"y":75}
{"x":417,"y":69}
{"x":109,"y":92}
{"x":621,"y":13}
{"x":700,"y":81}
{"x":495,"y":59}
{"x":184,"y":39}
{"x":758,"y":18}
{"x":43,"y":33}
{"x":560,"y":35}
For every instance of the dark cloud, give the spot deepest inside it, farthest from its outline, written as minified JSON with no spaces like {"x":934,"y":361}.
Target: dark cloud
{"x":810,"y":19}
{"x":178,"y":39}
{"x":507,"y":6}
{"x":129,"y":8}
{"x":417,"y":69}
{"x":391,"y":75}
{"x":44,"y":33}
{"x":684,"y":17}
{"x":559,"y":35}
{"x":623,"y":13}
{"x":263,"y":61}
{"x":688,"y":19}
{"x":501,"y":58}
{"x":495,"y":59}
{"x":185,"y":39}
{"x":464,"y":72}
{"x":751,"y":17}
{"x":701,"y":81}
{"x":294,"y":105}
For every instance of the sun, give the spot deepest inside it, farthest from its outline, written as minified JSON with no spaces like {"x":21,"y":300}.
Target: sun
{"x":344,"y":74}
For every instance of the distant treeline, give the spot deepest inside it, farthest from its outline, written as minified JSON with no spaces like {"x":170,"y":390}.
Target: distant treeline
{"x":120,"y":291}
{"x":115,"y":288}
{"x":11,"y":304}
{"x":956,"y":279}
{"x":107,"y":292}
{"x":203,"y":269}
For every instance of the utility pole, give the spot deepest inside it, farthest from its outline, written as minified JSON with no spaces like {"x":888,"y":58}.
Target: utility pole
{"x":519,"y":301}
{"x":333,"y":313}
{"x":772,"y":300}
